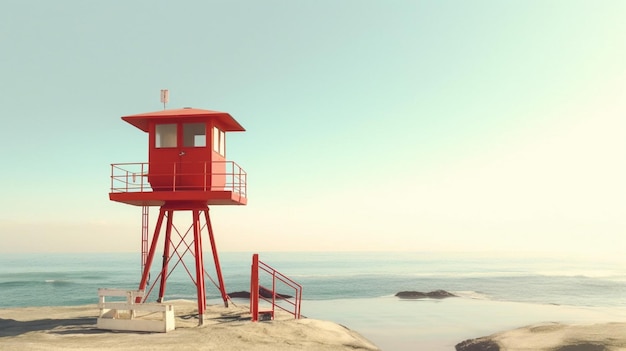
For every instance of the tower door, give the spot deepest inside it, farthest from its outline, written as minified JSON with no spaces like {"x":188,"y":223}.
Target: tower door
{"x":195,"y":157}
{"x":180,"y":159}
{"x":164,"y":169}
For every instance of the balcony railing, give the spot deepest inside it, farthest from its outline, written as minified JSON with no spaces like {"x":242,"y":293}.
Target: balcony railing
{"x":179,"y":176}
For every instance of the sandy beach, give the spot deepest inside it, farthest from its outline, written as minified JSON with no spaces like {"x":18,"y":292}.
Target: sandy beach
{"x":553,"y":337}
{"x":74,"y":328}
{"x":62,"y":328}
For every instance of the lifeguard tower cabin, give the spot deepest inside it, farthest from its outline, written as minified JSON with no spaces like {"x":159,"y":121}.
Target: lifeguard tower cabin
{"x":187,"y":171}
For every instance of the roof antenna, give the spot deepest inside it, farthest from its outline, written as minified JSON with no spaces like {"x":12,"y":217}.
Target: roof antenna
{"x":165,"y":97}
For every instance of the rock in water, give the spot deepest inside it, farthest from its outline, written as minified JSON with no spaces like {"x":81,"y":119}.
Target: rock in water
{"x":480,"y":344}
{"x":267,"y":293}
{"x":411,"y":295}
{"x":440,"y":294}
{"x":437,"y":294}
{"x":240,"y":294}
{"x":263,"y":292}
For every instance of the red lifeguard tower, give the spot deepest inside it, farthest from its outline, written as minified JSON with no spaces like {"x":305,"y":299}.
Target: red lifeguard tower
{"x":187,"y":171}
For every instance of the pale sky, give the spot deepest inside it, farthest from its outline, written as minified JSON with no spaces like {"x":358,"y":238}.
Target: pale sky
{"x":371,"y":125}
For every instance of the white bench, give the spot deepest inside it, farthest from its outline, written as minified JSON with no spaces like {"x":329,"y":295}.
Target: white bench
{"x":123,"y":315}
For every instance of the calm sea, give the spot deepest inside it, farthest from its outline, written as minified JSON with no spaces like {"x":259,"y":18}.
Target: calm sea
{"x":337,"y":286}
{"x":72,"y":279}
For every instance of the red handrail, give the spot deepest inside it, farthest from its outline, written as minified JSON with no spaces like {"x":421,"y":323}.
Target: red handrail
{"x":255,"y":287}
{"x":132,"y":177}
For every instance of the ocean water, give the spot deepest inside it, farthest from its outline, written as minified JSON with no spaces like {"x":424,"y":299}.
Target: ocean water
{"x":357,"y":289}
{"x":71,"y":279}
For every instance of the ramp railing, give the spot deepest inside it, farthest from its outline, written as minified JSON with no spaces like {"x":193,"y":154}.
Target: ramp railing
{"x":269,"y":296}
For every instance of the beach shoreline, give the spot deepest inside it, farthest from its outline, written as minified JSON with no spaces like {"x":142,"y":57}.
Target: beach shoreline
{"x":74,"y":327}
{"x":354,"y":290}
{"x":439,"y":325}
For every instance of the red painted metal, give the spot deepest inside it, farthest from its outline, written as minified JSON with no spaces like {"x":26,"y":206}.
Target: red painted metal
{"x":187,"y":171}
{"x":190,"y":242}
{"x":145,"y":220}
{"x":129,"y":184}
{"x":222,"y":119}
{"x":146,"y":272}
{"x":165,"y":274}
{"x":199,"y":266}
{"x":167,"y":244}
{"x":293,"y":307}
{"x":216,"y":259}
{"x":254,"y":288}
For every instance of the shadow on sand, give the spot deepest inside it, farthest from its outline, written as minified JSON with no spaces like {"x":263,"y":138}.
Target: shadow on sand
{"x":83,"y":325}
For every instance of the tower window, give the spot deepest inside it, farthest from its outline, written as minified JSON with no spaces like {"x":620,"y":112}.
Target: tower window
{"x":219,"y":143}
{"x":194,"y":135}
{"x":165,"y":135}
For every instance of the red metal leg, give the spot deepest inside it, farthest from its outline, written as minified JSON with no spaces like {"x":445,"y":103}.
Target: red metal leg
{"x":199,"y":266}
{"x":218,"y":267}
{"x":145,"y":211}
{"x":254,"y":288}
{"x":167,"y":243}
{"x":155,"y":238}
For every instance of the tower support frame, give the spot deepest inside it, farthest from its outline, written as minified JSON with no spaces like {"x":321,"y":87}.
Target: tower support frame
{"x":171,"y":244}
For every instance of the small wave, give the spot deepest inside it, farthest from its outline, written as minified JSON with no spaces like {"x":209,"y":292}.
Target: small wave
{"x":15,"y":283}
{"x":469,"y":294}
{"x":181,"y":297}
{"x":57,"y":282}
{"x":602,"y":274}
{"x":34,"y":283}
{"x":388,"y":296}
